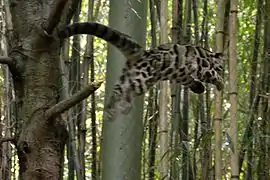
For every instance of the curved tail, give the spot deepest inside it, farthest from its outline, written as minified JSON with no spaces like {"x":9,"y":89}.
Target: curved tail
{"x":122,"y":41}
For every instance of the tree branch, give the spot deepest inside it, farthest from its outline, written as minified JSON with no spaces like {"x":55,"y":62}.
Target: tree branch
{"x":75,"y":99}
{"x":7,"y":139}
{"x":6,"y":60}
{"x":55,"y":16}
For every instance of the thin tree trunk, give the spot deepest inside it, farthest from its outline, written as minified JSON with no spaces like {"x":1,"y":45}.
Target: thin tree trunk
{"x":233,"y":90}
{"x":88,"y":60}
{"x":176,"y":92}
{"x":163,"y":100}
{"x":205,"y":109}
{"x":64,"y":75}
{"x":76,"y":82}
{"x":74,"y":117}
{"x":153,"y":124}
{"x":186,"y":175}
{"x":218,"y":94}
{"x":199,"y":112}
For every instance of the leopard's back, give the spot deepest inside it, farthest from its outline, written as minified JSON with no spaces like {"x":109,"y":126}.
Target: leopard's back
{"x":186,"y":64}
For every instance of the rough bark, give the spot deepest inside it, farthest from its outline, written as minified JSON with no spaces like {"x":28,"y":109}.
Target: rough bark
{"x":40,"y":140}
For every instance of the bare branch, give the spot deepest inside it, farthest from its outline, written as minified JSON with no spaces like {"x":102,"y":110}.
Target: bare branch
{"x":75,"y":99}
{"x":7,"y":139}
{"x":6,"y":60}
{"x":55,"y":16}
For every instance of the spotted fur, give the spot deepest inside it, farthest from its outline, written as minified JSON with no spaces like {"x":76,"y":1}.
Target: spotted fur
{"x":186,"y":64}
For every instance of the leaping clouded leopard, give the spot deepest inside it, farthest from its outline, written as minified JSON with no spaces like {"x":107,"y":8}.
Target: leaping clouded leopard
{"x":189,"y":65}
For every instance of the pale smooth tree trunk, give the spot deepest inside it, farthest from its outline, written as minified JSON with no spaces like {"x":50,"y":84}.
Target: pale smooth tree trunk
{"x":218,"y":94}
{"x":233,"y":90}
{"x":163,"y":100}
{"x":122,"y":137}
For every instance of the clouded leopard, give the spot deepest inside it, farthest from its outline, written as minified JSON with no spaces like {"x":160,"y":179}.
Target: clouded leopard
{"x":189,"y":65}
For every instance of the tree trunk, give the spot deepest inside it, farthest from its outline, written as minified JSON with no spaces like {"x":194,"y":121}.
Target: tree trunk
{"x":40,"y":141}
{"x":177,"y":9}
{"x":153,"y":118}
{"x":263,"y":170}
{"x":205,"y":112}
{"x":233,"y":90}
{"x":121,"y":151}
{"x":218,"y":94}
{"x":163,"y":100}
{"x":186,"y":175}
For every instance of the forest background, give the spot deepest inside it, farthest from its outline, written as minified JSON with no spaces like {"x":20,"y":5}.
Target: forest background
{"x":172,"y":133}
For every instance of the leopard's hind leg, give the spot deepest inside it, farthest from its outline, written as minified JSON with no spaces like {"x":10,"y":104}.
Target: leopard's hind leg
{"x":120,"y":102}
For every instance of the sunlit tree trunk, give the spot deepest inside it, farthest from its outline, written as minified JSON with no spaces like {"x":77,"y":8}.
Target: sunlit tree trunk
{"x":233,"y":90}
{"x":163,"y":100}
{"x":218,"y":95}
{"x":121,"y":150}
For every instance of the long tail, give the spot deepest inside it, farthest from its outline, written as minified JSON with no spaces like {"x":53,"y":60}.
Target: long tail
{"x":124,"y":43}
